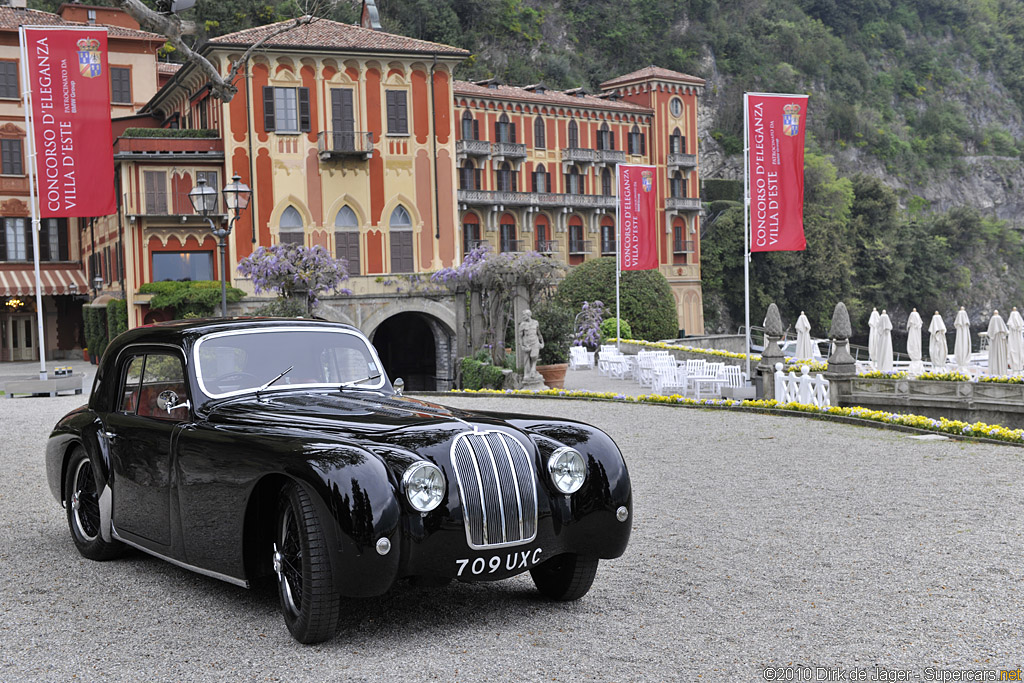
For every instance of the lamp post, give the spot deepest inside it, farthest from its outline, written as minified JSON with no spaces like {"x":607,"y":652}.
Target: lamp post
{"x":204,"y":201}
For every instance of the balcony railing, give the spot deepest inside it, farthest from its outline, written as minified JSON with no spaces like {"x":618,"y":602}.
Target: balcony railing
{"x":470,"y":245}
{"x":545,"y":199}
{"x":611,"y":156}
{"x":511,"y":245}
{"x":682,"y":203}
{"x":473,"y":148}
{"x":547,"y":246}
{"x":579,"y":246}
{"x":508,"y":150}
{"x":682,"y":160}
{"x":579,"y":155}
{"x":683,"y":246}
{"x":609,"y":246}
{"x":344,"y":144}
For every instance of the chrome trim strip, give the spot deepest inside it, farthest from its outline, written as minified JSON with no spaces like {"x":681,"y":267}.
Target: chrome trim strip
{"x":106,"y":503}
{"x":501,"y":501}
{"x":480,"y":488}
{"x":515,"y":478}
{"x":178,"y":563}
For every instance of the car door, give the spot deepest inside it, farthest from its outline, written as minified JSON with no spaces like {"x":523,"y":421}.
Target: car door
{"x":141,"y":432}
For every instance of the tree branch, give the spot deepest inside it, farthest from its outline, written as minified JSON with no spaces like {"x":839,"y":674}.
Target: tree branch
{"x":172,"y":27}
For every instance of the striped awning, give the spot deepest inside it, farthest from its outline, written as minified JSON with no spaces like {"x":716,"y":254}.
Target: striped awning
{"x":22,"y":282}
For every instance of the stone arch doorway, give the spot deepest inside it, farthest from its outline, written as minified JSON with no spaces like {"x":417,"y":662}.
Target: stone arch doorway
{"x":416,"y":347}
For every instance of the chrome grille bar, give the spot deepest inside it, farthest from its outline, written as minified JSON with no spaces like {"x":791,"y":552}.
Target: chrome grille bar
{"x":497,"y":488}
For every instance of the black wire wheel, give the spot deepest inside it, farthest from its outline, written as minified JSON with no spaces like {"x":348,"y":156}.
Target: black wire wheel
{"x":305,"y":581}
{"x":82,"y":499}
{"x":565,"y":577}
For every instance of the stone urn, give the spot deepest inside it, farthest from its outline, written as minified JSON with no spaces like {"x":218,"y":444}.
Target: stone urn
{"x":554,"y":375}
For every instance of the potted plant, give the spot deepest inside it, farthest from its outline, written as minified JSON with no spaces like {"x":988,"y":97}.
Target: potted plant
{"x":556,"y":328}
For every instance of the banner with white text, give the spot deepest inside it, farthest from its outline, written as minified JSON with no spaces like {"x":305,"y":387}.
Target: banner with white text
{"x":638,"y":211}
{"x":775,"y":125}
{"x":70,"y":88}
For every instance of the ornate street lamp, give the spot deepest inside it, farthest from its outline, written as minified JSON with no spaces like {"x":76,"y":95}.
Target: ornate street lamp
{"x":204,"y":201}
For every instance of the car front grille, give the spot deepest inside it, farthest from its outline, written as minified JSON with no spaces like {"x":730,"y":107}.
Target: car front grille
{"x":497,"y":487}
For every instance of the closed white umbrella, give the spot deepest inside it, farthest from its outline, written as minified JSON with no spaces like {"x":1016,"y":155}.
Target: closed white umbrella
{"x":998,"y":336}
{"x":804,"y":345}
{"x":884,"y":342}
{"x":873,"y":337}
{"x":1015,"y":343}
{"x":938,"y":349}
{"x":962,"y":346}
{"x":914,"y":325}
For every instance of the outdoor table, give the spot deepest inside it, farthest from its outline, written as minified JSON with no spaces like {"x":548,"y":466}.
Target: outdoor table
{"x":716,"y":382}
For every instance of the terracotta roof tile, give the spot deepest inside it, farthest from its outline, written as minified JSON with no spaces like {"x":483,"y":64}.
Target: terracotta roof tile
{"x":168,"y":67}
{"x":653,"y":72}
{"x":324,"y":33}
{"x":556,"y":97}
{"x":11,"y":19}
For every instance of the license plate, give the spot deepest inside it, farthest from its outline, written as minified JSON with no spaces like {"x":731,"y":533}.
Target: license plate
{"x":510,"y":562}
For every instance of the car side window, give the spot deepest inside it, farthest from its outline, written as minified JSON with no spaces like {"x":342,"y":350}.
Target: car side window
{"x":163,"y":381}
{"x":130,"y":389}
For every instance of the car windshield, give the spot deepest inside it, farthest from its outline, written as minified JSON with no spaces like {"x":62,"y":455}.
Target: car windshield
{"x":230,"y":363}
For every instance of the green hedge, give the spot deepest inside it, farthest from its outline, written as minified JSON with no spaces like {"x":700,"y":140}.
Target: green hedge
{"x":196,"y":299}
{"x":480,"y":375}
{"x":170,"y":133}
{"x":646,"y":299}
{"x":556,"y":328}
{"x":117,"y":317}
{"x":608,"y":330}
{"x":719,"y":189}
{"x":94,"y":319}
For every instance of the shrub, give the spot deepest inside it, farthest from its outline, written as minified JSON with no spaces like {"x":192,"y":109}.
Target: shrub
{"x":94,"y":320}
{"x":645,"y":297}
{"x":588,"y":325}
{"x":608,"y":330}
{"x":478,"y":374}
{"x":284,"y":308}
{"x":117,"y":317}
{"x":194,"y":299}
{"x":170,"y":133}
{"x":293,"y":270}
{"x":556,"y":328}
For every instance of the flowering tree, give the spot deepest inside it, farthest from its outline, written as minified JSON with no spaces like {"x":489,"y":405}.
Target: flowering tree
{"x":295,"y":271}
{"x":588,"y":325}
{"x":495,"y":278}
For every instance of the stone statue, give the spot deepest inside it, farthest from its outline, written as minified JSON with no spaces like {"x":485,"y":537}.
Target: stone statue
{"x":531,"y":342}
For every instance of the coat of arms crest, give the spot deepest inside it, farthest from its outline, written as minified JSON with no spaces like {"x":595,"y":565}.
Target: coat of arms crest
{"x":791,"y":119}
{"x":647,"y":180}
{"x":90,"y":62}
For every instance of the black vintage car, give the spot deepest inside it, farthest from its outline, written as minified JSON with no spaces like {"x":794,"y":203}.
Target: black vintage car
{"x":259,"y":447}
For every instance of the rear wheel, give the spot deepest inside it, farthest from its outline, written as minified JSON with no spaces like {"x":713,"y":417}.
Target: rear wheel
{"x":81,"y":491}
{"x":305,"y":582}
{"x":565,"y":577}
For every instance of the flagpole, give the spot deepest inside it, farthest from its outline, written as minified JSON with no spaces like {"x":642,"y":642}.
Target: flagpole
{"x":618,"y":257}
{"x":33,"y":203}
{"x":746,"y":229}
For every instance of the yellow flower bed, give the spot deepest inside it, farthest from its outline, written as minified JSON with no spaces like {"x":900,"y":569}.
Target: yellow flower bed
{"x":878,"y":374}
{"x":942,"y":425}
{"x":945,"y":377}
{"x":1002,"y":380}
{"x":691,"y":349}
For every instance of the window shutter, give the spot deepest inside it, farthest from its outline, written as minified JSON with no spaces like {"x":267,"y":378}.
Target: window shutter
{"x":403,"y":114}
{"x":629,"y":143}
{"x":44,"y":240}
{"x":497,"y":132}
{"x":3,"y":240}
{"x":643,"y":143}
{"x":613,"y":140}
{"x":513,"y":132}
{"x":534,"y":175}
{"x":548,"y":187}
{"x":268,"y":108}
{"x":389,"y":98}
{"x":62,"y":239}
{"x":476,"y":129}
{"x":26,"y":225}
{"x":304,"y":124}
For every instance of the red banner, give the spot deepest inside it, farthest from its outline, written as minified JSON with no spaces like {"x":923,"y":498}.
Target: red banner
{"x":775,"y":125}
{"x":70,"y":87}
{"x":638,"y":211}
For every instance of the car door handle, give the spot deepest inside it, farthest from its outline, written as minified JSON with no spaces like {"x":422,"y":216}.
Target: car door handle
{"x":110,"y":435}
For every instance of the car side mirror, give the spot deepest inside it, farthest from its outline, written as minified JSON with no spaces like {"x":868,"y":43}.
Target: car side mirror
{"x":168,"y":400}
{"x":399,"y":385}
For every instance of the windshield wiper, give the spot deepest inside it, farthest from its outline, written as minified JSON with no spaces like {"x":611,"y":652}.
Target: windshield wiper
{"x":265,"y":386}
{"x":353,"y":383}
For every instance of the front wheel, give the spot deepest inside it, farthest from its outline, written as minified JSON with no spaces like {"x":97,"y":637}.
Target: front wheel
{"x":81,"y":491}
{"x":305,"y":582}
{"x":565,"y":577}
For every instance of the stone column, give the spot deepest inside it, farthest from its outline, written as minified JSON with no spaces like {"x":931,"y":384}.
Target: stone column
{"x":772,"y":354}
{"x":841,"y":366}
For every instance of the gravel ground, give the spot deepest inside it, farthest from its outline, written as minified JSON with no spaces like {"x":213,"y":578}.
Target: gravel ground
{"x":758,"y":541}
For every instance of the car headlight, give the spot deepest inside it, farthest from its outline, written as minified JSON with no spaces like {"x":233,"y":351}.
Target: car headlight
{"x":567,"y":469}
{"x":424,"y":486}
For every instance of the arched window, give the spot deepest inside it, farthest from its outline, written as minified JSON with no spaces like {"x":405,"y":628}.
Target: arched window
{"x":681,"y":247}
{"x":346,"y":238}
{"x":539,"y":134}
{"x":577,"y":245}
{"x":291,"y":230}
{"x":606,"y":182}
{"x":607,"y":235}
{"x":470,"y":127}
{"x":470,"y":232}
{"x":545,"y":244}
{"x":401,"y":241}
{"x":469,"y":176}
{"x":503,"y":130}
{"x":541,"y":180}
{"x":507,"y":178}
{"x":637,"y":141}
{"x":677,"y":143}
{"x":605,"y":137}
{"x":678,"y":185}
{"x":574,"y":135}
{"x":574,"y":181}
{"x":508,"y":233}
